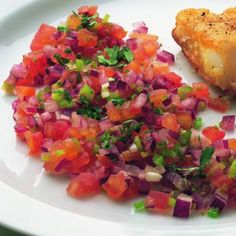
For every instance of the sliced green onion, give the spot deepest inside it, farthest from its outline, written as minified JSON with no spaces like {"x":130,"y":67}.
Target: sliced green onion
{"x":139,"y":206}
{"x":87,"y":92}
{"x":59,"y":152}
{"x":232,"y":169}
{"x":45,"y":157}
{"x":138,"y":143}
{"x":79,"y":64}
{"x":171,"y":202}
{"x":213,"y":212}
{"x":105,"y":18}
{"x":62,"y":28}
{"x":184,"y":91}
{"x":8,"y":88}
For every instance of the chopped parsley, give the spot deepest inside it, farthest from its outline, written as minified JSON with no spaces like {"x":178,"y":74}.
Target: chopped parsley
{"x":106,"y":140}
{"x":206,"y":156}
{"x":67,"y":51}
{"x":117,"y":101}
{"x":115,"y":56}
{"x":89,"y":110}
{"x":61,"y":60}
{"x":185,"y":137}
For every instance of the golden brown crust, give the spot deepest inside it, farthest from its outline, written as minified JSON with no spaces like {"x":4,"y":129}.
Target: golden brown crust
{"x":208,"y":41}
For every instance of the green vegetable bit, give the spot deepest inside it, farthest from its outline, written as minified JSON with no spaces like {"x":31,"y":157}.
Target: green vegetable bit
{"x":232,"y":169}
{"x":79,"y":64}
{"x":185,"y":137}
{"x":117,"y":101}
{"x":139,"y":206}
{"x":197,"y":123}
{"x":213,"y":212}
{"x":158,"y":160}
{"x":61,"y":60}
{"x":206,"y":156}
{"x":184,"y":91}
{"x":62,"y":28}
{"x":87,"y":92}
{"x":158,"y":111}
{"x":116,"y":55}
{"x":8,"y":88}
{"x":106,"y":140}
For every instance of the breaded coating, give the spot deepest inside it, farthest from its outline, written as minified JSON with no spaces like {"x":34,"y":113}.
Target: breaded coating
{"x":208,"y":41}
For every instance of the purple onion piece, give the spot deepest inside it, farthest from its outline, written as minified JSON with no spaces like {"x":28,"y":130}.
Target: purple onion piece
{"x":132,"y":44}
{"x":94,"y":73}
{"x":165,"y":57}
{"x":61,"y":165}
{"x":183,"y":206}
{"x":140,"y":27}
{"x":219,"y":200}
{"x":167,"y":101}
{"x":228,"y":123}
{"x":121,"y":85}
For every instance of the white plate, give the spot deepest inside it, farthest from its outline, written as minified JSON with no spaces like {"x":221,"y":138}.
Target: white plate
{"x":36,"y":203}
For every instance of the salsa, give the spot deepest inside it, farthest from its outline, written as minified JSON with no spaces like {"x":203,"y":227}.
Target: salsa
{"x":104,"y":108}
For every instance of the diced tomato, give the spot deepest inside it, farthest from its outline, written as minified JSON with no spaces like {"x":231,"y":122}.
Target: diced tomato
{"x":169,"y":121}
{"x":157,"y":199}
{"x":133,"y":66}
{"x":173,"y":80}
{"x":185,"y":119}
{"x":150,"y":47}
{"x":115,"y":185}
{"x":143,"y":36}
{"x":222,"y":182}
{"x":129,"y":156}
{"x":34,"y":141}
{"x":86,"y":184}
{"x":158,"y":96}
{"x":86,"y":38}
{"x":59,"y":129}
{"x":219,"y":104}
{"x":36,"y":63}
{"x":112,"y":112}
{"x":200,"y":90}
{"x":232,"y":143}
{"x":118,"y":32}
{"x":105,"y":160}
{"x":22,"y":91}
{"x":73,"y":22}
{"x":213,"y":133}
{"x":91,"y":10}
{"x":44,"y":36}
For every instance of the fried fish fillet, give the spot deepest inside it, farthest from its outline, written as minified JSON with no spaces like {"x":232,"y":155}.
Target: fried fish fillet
{"x":208,"y":41}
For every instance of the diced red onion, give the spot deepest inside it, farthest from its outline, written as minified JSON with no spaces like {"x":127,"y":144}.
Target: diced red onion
{"x":167,"y":102}
{"x":183,"y":206}
{"x":221,"y":144}
{"x":177,"y":180}
{"x":219,"y":200}
{"x":121,"y":85}
{"x":132,"y":44}
{"x":165,"y":57}
{"x":51,"y":106}
{"x":30,"y":110}
{"x":46,"y":145}
{"x":46,"y":116}
{"x":221,"y":153}
{"x":121,"y":146}
{"x":189,"y":104}
{"x":140,"y":27}
{"x":196,"y":153}
{"x":118,"y":75}
{"x":105,"y":125}
{"x":19,"y":71}
{"x":140,"y":101}
{"x":228,"y":123}
{"x":71,"y":42}
{"x":61,"y":165}
{"x":49,"y":51}
{"x":15,"y":104}
{"x":19,"y":128}
{"x":73,"y":34}
{"x":94,"y":73}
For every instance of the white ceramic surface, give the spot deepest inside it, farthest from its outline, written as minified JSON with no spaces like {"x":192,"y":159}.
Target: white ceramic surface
{"x":34,"y":202}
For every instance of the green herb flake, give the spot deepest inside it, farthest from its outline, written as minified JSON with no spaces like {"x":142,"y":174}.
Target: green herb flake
{"x":61,"y":60}
{"x":158,"y":111}
{"x":185,"y":137}
{"x":105,"y":18}
{"x":87,"y":92}
{"x":206,"y":156}
{"x":116,"y":55}
{"x":67,"y":51}
{"x":139,"y":206}
{"x":117,"y":101}
{"x":213,"y":213}
{"x":106,"y":140}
